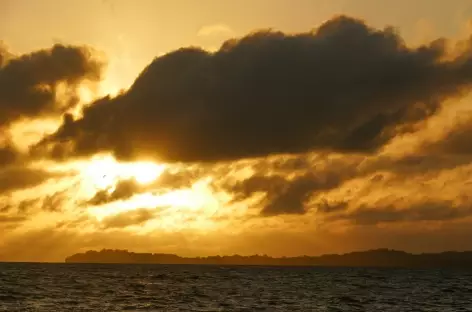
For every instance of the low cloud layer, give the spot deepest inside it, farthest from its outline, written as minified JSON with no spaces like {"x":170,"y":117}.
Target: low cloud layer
{"x":129,"y":218}
{"x":283,"y":195}
{"x":124,"y":189}
{"x":398,"y":212}
{"x":456,"y":140}
{"x":8,"y":155}
{"x":344,"y":87}
{"x":19,"y":178}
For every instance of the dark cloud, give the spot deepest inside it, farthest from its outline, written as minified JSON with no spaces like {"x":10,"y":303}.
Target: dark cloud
{"x":285,"y":195}
{"x":124,"y":189}
{"x":329,"y":207}
{"x":344,"y":86}
{"x":168,"y":180}
{"x":129,"y":218}
{"x":50,"y":203}
{"x":429,"y":210}
{"x":55,"y":201}
{"x":11,"y":219}
{"x":25,"y":206}
{"x":289,"y":183}
{"x":18,"y":178}
{"x":294,"y":196}
{"x":75,"y":223}
{"x":5,"y":207}
{"x":456,"y":140}
{"x":405,"y":166}
{"x":8,"y":155}
{"x":182,"y":178}
{"x":28,"y":83}
{"x":13,"y":214}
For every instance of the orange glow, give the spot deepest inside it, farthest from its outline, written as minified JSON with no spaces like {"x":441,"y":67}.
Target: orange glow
{"x":103,"y":172}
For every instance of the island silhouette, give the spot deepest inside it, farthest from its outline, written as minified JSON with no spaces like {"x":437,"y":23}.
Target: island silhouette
{"x":369,"y":258}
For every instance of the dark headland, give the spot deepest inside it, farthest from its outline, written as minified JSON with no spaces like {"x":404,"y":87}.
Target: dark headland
{"x":371,"y":258}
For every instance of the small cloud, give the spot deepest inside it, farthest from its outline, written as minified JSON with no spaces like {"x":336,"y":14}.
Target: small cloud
{"x":11,"y":219}
{"x":19,"y":178}
{"x":123,"y":190}
{"x":215,"y":30}
{"x":129,"y":218}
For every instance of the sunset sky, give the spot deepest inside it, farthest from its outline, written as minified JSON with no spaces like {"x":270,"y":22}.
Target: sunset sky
{"x":209,"y":127}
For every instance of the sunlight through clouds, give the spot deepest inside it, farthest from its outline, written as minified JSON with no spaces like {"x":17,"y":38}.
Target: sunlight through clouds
{"x":258,"y":121}
{"x":104,"y":171}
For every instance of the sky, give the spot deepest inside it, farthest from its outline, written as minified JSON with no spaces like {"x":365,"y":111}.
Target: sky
{"x":234,"y":127}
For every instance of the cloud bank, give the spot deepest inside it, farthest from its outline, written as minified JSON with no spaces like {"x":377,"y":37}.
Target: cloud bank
{"x":298,"y":132}
{"x":343,"y":87}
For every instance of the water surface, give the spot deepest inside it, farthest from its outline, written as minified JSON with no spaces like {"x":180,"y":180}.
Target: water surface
{"x":96,"y":287}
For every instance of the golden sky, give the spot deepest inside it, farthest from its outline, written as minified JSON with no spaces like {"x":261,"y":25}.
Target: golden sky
{"x":220,"y":127}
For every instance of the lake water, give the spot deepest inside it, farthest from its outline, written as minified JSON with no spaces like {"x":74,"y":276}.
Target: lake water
{"x":91,"y":287}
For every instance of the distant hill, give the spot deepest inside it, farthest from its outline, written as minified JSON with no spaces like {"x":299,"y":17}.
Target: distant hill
{"x":370,"y":258}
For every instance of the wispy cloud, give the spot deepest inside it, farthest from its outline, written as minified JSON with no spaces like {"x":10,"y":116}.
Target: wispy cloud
{"x":215,"y":30}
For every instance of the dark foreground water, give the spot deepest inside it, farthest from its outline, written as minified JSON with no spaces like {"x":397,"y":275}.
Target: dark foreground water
{"x":75,"y":287}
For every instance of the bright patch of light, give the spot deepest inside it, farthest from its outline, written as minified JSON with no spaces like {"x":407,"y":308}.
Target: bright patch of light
{"x":85,"y":93}
{"x":103,"y":172}
{"x":176,"y":204}
{"x":26,"y":133}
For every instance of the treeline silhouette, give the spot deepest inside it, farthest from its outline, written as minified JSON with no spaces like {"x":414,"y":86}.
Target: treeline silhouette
{"x":370,"y":258}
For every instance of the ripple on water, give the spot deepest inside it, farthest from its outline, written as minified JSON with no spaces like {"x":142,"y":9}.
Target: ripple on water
{"x":62,"y":287}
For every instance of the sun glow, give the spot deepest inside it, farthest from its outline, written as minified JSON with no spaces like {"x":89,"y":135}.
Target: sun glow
{"x":103,"y":172}
{"x":193,"y":205}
